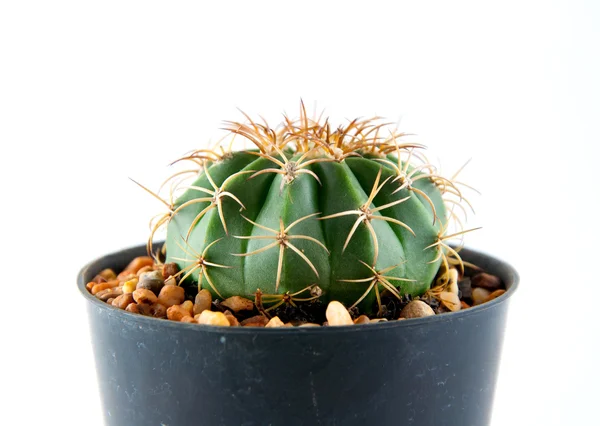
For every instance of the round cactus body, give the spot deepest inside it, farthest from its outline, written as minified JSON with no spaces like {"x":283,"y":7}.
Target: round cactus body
{"x":346,"y":212}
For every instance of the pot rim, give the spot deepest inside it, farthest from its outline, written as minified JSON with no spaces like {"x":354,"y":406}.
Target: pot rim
{"x":511,"y":280}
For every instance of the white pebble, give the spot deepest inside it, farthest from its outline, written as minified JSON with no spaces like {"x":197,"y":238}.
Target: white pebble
{"x":275,"y":322}
{"x":479,"y":295}
{"x":213,"y":318}
{"x":337,"y":314}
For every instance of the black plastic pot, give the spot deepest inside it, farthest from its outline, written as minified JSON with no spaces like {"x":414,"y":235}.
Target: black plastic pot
{"x":432,"y":371}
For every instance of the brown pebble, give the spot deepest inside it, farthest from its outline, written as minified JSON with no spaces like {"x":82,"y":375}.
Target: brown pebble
{"x":188,"y":306}
{"x":464,"y":286}
{"x":109,"y":301}
{"x":203,"y":301}
{"x":144,"y":309}
{"x":450,"y":300}
{"x":464,"y":305}
{"x":99,"y":279}
{"x":495,"y":294}
{"x":109,"y":293}
{"x":212,"y":318}
{"x":90,"y":285}
{"x":416,"y":309}
{"x":238,"y":303}
{"x":487,"y":281}
{"x":479,"y":295}
{"x":133,"y":308}
{"x":309,"y":324}
{"x":233,"y":321}
{"x":128,"y":277}
{"x":142,"y":295}
{"x":176,"y":312}
{"x":188,"y":319}
{"x":363,"y":319}
{"x":157,"y":310}
{"x":108,"y":274}
{"x":103,"y":286}
{"x":255,"y":321}
{"x":123,"y":300}
{"x":136,"y":264}
{"x":337,"y":314}
{"x":144,"y":269}
{"x":169,"y":270}
{"x":275,"y":322}
{"x":171,"y":295}
{"x":151,"y":280}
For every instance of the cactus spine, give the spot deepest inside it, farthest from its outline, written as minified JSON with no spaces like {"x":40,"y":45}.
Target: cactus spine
{"x":349,"y":212}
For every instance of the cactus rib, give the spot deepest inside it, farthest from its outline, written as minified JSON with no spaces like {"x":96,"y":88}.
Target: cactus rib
{"x":323,"y":182}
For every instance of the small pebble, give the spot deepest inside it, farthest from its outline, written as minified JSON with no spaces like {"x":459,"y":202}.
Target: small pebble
{"x":212,"y":318}
{"x":127,"y":277}
{"x":189,"y":306}
{"x":109,"y":293}
{"x":90,"y":285}
{"x":152,"y":281}
{"x":176,"y":312}
{"x":464,"y":305}
{"x":233,"y":321}
{"x":203,"y":301}
{"x":157,"y":310}
{"x":487,"y":281}
{"x":337,"y":314}
{"x":237,"y":303}
{"x":255,"y":321}
{"x":188,"y":319}
{"x":169,"y":270}
{"x":142,"y":295}
{"x":416,"y":309}
{"x":495,"y":294}
{"x":103,"y":286}
{"x":375,"y":320}
{"x":108,"y":274}
{"x":123,"y":300}
{"x":171,"y":295}
{"x":136,"y":264}
{"x":363,"y":319}
{"x":145,"y":269}
{"x":450,"y":300}
{"x":109,"y":301}
{"x":309,"y":324}
{"x":275,"y":322}
{"x":133,"y":308}
{"x":479,"y":295}
{"x":464,"y":286}
{"x":99,"y":279}
{"x":130,"y":285}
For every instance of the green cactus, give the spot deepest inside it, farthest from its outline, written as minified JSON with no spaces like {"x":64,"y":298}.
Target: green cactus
{"x":350,"y":211}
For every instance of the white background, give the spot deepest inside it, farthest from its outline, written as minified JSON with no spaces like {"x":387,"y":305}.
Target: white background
{"x":92,"y":93}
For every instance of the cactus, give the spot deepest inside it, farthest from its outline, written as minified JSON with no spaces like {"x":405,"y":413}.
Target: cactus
{"x":310,"y":212}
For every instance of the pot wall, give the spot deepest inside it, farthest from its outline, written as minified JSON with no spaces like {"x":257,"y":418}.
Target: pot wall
{"x":438,"y":370}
